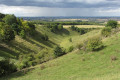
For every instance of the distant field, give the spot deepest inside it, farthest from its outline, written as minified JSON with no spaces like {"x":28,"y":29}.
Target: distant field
{"x":85,"y":26}
{"x":118,"y":22}
{"x":71,"y":19}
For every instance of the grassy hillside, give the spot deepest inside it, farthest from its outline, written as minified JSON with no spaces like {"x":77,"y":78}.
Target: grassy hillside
{"x":33,"y":44}
{"x":78,"y":65}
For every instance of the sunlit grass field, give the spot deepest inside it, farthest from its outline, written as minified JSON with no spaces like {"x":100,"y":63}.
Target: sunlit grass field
{"x":85,"y":26}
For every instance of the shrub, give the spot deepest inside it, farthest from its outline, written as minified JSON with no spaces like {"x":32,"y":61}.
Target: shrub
{"x":106,"y":31}
{"x":60,"y":27}
{"x":58,"y":51}
{"x":112,"y":24}
{"x":70,"y":49}
{"x":26,"y":60}
{"x":6,"y":67}
{"x":94,"y":43}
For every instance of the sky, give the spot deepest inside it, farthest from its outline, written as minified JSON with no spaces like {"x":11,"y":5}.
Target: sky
{"x":37,"y":8}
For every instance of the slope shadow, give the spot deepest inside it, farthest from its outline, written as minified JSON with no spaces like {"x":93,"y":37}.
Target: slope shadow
{"x":30,"y":41}
{"x":62,"y":32}
{"x":7,"y":53}
{"x":17,"y":74}
{"x":20,"y":47}
{"x":38,"y":38}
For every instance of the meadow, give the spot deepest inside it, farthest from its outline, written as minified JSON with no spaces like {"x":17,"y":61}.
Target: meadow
{"x":85,"y":26}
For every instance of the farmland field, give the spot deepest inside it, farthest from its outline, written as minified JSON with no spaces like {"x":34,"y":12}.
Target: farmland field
{"x":85,"y":26}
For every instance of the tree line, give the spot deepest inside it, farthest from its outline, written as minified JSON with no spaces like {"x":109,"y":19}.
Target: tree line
{"x":10,"y":26}
{"x":64,"y":23}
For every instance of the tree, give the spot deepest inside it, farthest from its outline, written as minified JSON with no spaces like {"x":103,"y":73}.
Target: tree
{"x":60,"y":27}
{"x":106,"y":31}
{"x":6,"y":33}
{"x":1,"y":16}
{"x":112,"y":24}
{"x":15,"y":27}
{"x":72,"y":27}
{"x":10,"y":19}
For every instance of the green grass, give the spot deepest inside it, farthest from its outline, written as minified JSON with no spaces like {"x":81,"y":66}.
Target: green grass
{"x":77,"y":65}
{"x":34,"y":44}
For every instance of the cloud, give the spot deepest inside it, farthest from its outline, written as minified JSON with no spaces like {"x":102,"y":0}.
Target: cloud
{"x":60,"y":7}
{"x":45,"y":11}
{"x":63,"y":3}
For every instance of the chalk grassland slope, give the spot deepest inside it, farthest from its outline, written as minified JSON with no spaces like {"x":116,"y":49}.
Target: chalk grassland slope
{"x":78,"y":65}
{"x":33,"y":44}
{"x":77,"y":39}
{"x":85,"y":26}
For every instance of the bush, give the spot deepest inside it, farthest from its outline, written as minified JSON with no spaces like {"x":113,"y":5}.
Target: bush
{"x":6,"y":67}
{"x":58,"y":51}
{"x":112,"y":24}
{"x":106,"y":31}
{"x":26,"y":60}
{"x":94,"y":44}
{"x":70,"y":49}
{"x":60,"y":27}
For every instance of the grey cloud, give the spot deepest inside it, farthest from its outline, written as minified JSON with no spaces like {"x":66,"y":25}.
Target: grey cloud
{"x":61,"y":3}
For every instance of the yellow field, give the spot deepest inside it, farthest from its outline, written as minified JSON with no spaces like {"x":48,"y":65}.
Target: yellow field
{"x":118,"y":22}
{"x":84,"y":26}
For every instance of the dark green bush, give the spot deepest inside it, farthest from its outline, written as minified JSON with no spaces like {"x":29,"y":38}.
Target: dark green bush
{"x":112,"y":24}
{"x":6,"y":67}
{"x":6,"y":33}
{"x":58,"y":51}
{"x":70,"y":49}
{"x":106,"y":31}
{"x":94,"y":44}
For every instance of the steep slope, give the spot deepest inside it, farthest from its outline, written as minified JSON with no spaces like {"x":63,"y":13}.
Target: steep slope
{"x":78,"y":65}
{"x":33,"y":44}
